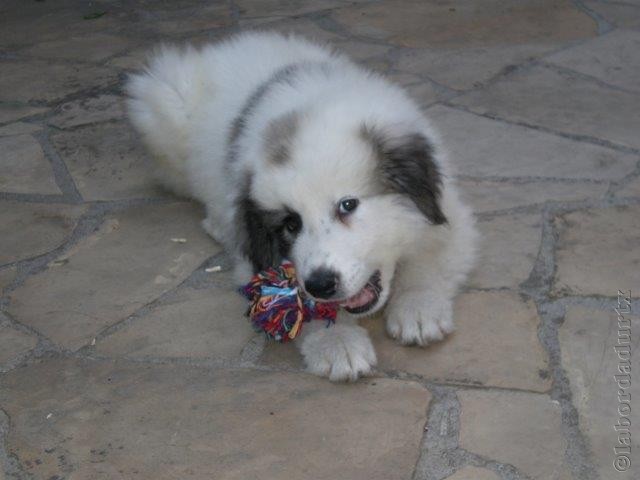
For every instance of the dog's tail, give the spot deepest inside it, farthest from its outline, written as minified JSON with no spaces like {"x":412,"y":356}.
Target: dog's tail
{"x":160,"y":101}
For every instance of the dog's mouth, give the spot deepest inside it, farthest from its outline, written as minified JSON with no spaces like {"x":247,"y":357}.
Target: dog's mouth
{"x":366,"y":298}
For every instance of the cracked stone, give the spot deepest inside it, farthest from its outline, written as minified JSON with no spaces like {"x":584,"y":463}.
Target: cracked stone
{"x":560,"y":101}
{"x":18,"y":128}
{"x":618,"y":14}
{"x":24,"y":167}
{"x":479,"y":147}
{"x":14,"y":345}
{"x":7,"y":275}
{"x":291,"y":8}
{"x":462,"y":24}
{"x":88,"y":110}
{"x":41,"y":81}
{"x":508,"y":250}
{"x":112,"y":419}
{"x":207,"y":323}
{"x":473,"y":473}
{"x":611,"y":58}
{"x":517,"y":428}
{"x":597,"y":251}
{"x":93,"y":47}
{"x":487,"y":196}
{"x":587,"y":341}
{"x":95,"y":284}
{"x":470,"y":356}
{"x":178,"y":18}
{"x":31,"y":229}
{"x":11,"y":113}
{"x":107,"y":162}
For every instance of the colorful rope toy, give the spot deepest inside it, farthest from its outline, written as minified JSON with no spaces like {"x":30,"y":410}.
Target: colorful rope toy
{"x":277,"y":305}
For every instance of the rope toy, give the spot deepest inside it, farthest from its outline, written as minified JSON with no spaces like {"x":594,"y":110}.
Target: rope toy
{"x":277,"y":305}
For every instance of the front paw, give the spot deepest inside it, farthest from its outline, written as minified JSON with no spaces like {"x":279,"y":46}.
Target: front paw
{"x":340,"y":352}
{"x":419,"y":318}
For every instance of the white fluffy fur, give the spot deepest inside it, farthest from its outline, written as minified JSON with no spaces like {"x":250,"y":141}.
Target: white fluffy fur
{"x":184,"y":105}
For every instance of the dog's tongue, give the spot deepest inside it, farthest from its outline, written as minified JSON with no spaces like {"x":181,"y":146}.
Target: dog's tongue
{"x":361,"y":298}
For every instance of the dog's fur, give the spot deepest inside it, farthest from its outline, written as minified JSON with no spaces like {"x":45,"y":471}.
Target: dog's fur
{"x":272,"y":133}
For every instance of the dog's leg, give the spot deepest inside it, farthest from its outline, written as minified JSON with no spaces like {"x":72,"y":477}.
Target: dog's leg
{"x":342,"y":351}
{"x":420,"y":310}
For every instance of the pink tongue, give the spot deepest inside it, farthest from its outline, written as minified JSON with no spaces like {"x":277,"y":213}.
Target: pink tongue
{"x":362,"y":298}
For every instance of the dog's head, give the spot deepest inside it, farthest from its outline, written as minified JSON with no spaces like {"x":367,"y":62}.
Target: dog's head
{"x":342,"y":198}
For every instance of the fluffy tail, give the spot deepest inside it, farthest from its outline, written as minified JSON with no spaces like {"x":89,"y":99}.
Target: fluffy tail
{"x":160,"y":100}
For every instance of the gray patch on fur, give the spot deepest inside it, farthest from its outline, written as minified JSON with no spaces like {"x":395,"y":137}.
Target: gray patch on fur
{"x":278,"y":137}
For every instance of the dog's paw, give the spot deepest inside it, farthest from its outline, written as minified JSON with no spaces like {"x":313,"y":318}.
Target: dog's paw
{"x":419,"y":318}
{"x":340,"y":352}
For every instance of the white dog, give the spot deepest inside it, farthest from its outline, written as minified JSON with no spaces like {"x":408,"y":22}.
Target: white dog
{"x":297,"y":152}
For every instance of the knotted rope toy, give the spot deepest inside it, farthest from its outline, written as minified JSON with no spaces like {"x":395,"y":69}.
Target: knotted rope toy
{"x":278,"y":306}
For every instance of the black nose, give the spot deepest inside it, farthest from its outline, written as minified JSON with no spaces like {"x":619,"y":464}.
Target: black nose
{"x":322,"y":283}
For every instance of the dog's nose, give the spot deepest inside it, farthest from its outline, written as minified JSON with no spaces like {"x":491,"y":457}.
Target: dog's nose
{"x":322,"y":283}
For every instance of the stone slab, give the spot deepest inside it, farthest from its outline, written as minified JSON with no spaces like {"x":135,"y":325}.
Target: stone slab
{"x":587,"y":341}
{"x":11,"y":113}
{"x":7,"y":276}
{"x":619,"y":14}
{"x":206,"y":323}
{"x":631,"y":189}
{"x":127,"y":420}
{"x":517,"y":428}
{"x":122,"y":266}
{"x":482,"y":147}
{"x":24,"y":168}
{"x":491,"y":196}
{"x":612,"y":58}
{"x":564,"y":102}
{"x":31,"y":229}
{"x":88,"y":110}
{"x":508,"y":250}
{"x":87,"y":48}
{"x":19,"y":128}
{"x":42,"y":81}
{"x":456,"y":23}
{"x":275,"y":8}
{"x":597,"y":251}
{"x":107,"y":162}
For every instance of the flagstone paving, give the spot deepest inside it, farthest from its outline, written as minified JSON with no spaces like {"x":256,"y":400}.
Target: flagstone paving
{"x":124,"y":350}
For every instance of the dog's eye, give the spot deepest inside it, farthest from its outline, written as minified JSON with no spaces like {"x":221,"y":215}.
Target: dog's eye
{"x":293,"y":223}
{"x":348,"y":205}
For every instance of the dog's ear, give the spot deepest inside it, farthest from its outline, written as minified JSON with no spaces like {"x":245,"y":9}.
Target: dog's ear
{"x":406,"y":165}
{"x":263,"y":244}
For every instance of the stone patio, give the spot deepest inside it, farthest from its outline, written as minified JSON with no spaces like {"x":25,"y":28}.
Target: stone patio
{"x":122,"y":357}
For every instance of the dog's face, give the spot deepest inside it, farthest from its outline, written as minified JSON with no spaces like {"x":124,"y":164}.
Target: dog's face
{"x":343,"y":201}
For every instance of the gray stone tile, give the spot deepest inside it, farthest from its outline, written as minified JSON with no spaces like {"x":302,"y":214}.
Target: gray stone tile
{"x":597,"y":251}
{"x":128,"y":262}
{"x":561,"y":101}
{"x":486,"y":195}
{"x":207,"y":323}
{"x":7,"y":275}
{"x":587,"y":341}
{"x":620,"y":14}
{"x":31,"y":229}
{"x":11,"y":113}
{"x":479,"y":147}
{"x":274,"y":8}
{"x":42,"y":81}
{"x":495,"y":344}
{"x":612,"y":58}
{"x":14,"y":345}
{"x":94,"y":47}
{"x":474,"y":473}
{"x":88,"y":110}
{"x":517,"y":428}
{"x":112,"y":420}
{"x":508,"y":249}
{"x":631,"y":189}
{"x":19,"y":128}
{"x":463,"y":24}
{"x":107,"y":162}
{"x":24,"y":168}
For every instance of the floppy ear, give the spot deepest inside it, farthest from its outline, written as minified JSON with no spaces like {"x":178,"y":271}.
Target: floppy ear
{"x":407,"y":166}
{"x":263,"y":245}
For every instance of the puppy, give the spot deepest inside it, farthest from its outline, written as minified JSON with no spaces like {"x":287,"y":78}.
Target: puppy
{"x":298,"y":153}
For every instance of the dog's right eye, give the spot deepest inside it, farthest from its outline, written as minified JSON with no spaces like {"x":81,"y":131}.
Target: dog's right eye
{"x":293,"y":223}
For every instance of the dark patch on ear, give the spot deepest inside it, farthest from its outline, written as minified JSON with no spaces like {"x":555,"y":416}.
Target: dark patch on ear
{"x":407,"y":166}
{"x":264,"y":239}
{"x":278,"y":137}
